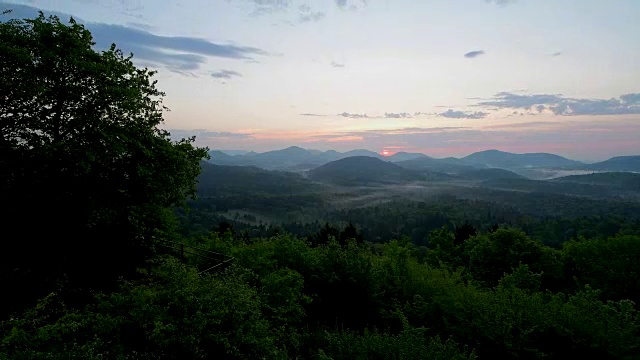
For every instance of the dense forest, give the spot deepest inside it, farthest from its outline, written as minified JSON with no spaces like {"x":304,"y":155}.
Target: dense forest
{"x":128,"y":245}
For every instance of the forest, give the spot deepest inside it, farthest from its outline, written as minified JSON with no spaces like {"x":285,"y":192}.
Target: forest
{"x":128,"y":244}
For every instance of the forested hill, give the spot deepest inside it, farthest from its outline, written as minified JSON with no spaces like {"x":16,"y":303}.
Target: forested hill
{"x":619,"y":163}
{"x":362,"y":170}
{"x":501,"y":159}
{"x":229,"y":180}
{"x":618,"y":180}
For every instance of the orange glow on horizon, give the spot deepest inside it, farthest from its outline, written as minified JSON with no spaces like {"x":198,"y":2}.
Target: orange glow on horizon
{"x":386,"y":152}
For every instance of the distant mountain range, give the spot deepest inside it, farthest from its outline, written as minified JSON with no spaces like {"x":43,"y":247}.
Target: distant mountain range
{"x":298,"y":159}
{"x":295,"y":158}
{"x":223,"y":181}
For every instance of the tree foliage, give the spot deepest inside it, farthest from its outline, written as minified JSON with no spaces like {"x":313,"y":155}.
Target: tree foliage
{"x":87,"y":171}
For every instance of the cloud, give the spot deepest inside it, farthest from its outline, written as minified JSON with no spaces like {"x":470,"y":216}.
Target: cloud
{"x":515,"y":101}
{"x":472,"y":54}
{"x":206,"y":134}
{"x":408,"y":130}
{"x":177,"y":53}
{"x":353,"y":5}
{"x":500,"y":2}
{"x":557,"y":53}
{"x":312,"y":16}
{"x":457,"y":114}
{"x":531,"y":124}
{"x":225,"y":74}
{"x":397,"y":115}
{"x":140,"y":26}
{"x":263,"y":7}
{"x":336,"y":64}
{"x":353,"y":116}
{"x":312,"y":114}
{"x":560,"y":105}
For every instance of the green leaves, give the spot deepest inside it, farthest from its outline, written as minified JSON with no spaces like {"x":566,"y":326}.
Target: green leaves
{"x":87,"y":170}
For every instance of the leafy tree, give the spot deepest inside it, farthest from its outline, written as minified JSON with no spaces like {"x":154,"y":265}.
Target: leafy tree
{"x":325,"y":235}
{"x":350,"y":232}
{"x":493,"y":255}
{"x":89,"y":175}
{"x":463,"y":233}
{"x":610,"y":265}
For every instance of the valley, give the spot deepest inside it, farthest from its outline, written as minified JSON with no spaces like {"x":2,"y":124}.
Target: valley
{"x":378,"y":195}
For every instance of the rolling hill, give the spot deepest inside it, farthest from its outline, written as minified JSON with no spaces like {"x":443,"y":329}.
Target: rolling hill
{"x":619,"y":163}
{"x":293,"y":158}
{"x":362,"y":170}
{"x":402,"y":156}
{"x":231,"y":180}
{"x":617,"y":180}
{"x":506,"y":160}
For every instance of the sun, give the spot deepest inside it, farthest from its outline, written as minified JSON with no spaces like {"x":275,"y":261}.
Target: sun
{"x":386,"y":152}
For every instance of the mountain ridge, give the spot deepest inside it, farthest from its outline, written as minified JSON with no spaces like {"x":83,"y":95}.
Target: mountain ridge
{"x":295,"y":158}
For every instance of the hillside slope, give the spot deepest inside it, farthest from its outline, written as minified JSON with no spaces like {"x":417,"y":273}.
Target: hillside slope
{"x":361,"y":170}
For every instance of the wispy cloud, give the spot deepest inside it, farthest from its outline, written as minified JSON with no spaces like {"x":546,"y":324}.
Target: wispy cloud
{"x":530,"y":124}
{"x":174,"y":52}
{"x":409,"y":130}
{"x":203,"y":134}
{"x":557,"y":53}
{"x":397,"y":115}
{"x":311,"y":16}
{"x":225,"y":74}
{"x":263,"y":7}
{"x":305,"y":13}
{"x":457,"y":114}
{"x":560,"y":105}
{"x":312,"y":114}
{"x":353,"y":116}
{"x":337,"y":64}
{"x":500,"y":2}
{"x":473,"y":54}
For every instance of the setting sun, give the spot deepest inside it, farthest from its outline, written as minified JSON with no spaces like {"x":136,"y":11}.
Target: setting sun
{"x":386,"y":153}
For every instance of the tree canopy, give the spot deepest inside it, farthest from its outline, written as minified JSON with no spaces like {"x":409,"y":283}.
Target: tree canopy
{"x":88,"y":173}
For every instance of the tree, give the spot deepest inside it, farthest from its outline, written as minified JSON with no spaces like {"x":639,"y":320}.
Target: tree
{"x":89,"y":176}
{"x":492,"y":256}
{"x":463,"y":233}
{"x":350,"y":232}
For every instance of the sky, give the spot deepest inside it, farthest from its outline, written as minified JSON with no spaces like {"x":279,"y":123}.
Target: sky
{"x":441,"y":77}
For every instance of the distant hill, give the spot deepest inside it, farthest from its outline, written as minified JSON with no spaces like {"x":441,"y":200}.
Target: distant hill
{"x":545,"y":186}
{"x":245,"y":180}
{"x":597,"y":186}
{"x":447,"y":166}
{"x":402,"y":156}
{"x":359,"y":152}
{"x":290,"y":154}
{"x":220,"y":158}
{"x":234,"y":152}
{"x":506,"y":160}
{"x":618,"y":180}
{"x":361,"y":170}
{"x":292,"y":158}
{"x":619,"y":163}
{"x":489,"y":174}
